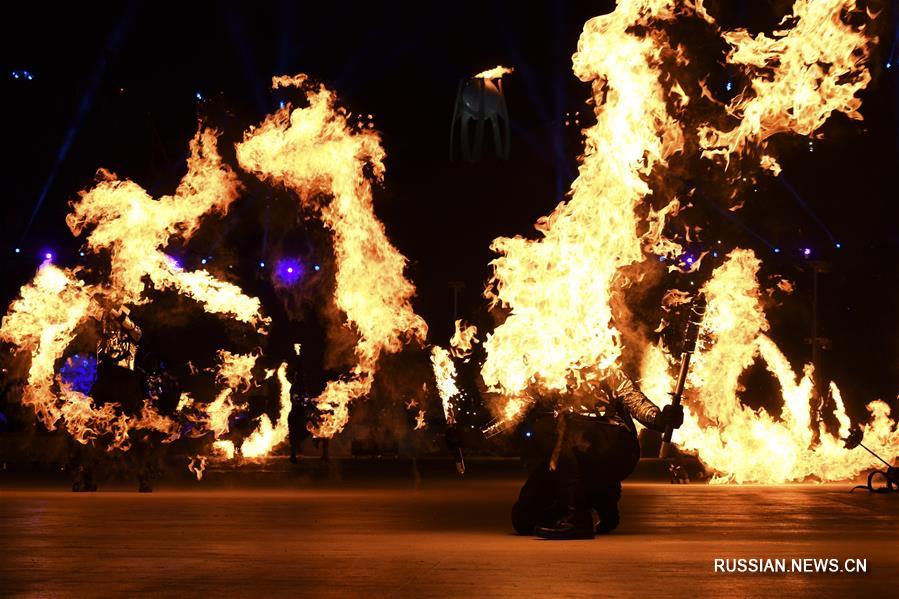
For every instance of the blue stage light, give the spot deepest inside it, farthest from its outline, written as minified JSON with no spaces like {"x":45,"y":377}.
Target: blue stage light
{"x":839,"y":245}
{"x":262,"y":265}
{"x":288,"y":271}
{"x":48,"y":256}
{"x":776,"y":250}
{"x":714,"y":254}
{"x":79,"y":372}
{"x":203,"y":261}
{"x":199,"y":96}
{"x":729,"y":86}
{"x":18,"y":250}
{"x":317,"y":268}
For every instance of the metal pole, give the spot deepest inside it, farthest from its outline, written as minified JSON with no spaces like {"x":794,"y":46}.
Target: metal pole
{"x":456,"y":286}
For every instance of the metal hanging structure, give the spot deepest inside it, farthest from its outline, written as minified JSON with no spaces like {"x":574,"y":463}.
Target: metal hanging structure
{"x":480,"y":101}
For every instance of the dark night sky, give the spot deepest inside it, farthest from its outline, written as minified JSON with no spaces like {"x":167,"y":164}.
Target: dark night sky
{"x":402,"y":63}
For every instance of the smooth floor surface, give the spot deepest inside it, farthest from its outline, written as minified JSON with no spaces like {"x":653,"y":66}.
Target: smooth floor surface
{"x":441,"y":539}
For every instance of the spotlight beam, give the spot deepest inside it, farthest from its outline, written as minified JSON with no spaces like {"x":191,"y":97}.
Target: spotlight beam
{"x":285,"y":46}
{"x":239,"y":38}
{"x":732,"y":218}
{"x":522,"y":68}
{"x":84,"y":107}
{"x":802,"y":203}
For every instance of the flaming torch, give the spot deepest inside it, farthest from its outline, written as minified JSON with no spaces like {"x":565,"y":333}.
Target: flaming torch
{"x":691,"y":336}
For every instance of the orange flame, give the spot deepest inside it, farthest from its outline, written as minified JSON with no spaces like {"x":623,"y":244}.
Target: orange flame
{"x":135,"y":228}
{"x":494,"y":73}
{"x":445,"y":375}
{"x":268,"y":435}
{"x":558,"y":287}
{"x":744,"y":445}
{"x":463,"y":340}
{"x":197,"y":465}
{"x":799,"y":77}
{"x":313,"y":151}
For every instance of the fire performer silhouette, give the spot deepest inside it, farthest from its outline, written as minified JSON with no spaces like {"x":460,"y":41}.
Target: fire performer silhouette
{"x":588,"y":445}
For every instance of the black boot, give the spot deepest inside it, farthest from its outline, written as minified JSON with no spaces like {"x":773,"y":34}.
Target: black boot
{"x":608,"y":522}
{"x":606,"y":506}
{"x":576,"y":524}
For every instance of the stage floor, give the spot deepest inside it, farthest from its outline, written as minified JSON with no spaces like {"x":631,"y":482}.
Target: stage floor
{"x":440,"y":539}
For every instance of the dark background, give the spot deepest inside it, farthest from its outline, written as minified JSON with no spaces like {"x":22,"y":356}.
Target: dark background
{"x":115,"y":85}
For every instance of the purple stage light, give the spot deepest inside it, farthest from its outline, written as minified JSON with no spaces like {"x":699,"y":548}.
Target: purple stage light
{"x":807,"y":252}
{"x":48,"y":256}
{"x":288,"y":271}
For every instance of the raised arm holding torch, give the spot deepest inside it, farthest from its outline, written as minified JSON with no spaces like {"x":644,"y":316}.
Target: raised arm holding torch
{"x":691,"y":335}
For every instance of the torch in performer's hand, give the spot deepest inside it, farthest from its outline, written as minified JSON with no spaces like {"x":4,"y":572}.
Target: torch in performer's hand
{"x":445,"y":375}
{"x":672,"y":416}
{"x":454,"y":445}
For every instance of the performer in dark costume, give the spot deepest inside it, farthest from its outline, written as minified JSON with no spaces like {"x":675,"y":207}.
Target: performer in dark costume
{"x":301,"y":410}
{"x":587,"y":446}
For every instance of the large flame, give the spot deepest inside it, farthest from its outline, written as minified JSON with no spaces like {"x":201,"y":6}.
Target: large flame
{"x":314,"y":152}
{"x":740,"y":444}
{"x":43,"y":321}
{"x":557,"y":288}
{"x":799,"y":76}
{"x":135,"y":228}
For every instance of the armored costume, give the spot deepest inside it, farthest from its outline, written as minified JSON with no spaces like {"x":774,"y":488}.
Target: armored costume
{"x":585,"y":448}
